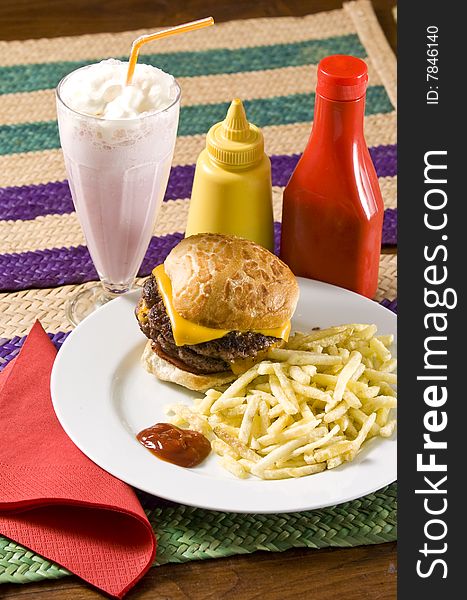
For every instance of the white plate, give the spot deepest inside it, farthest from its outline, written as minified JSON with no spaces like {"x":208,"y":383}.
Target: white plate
{"x":103,"y":397}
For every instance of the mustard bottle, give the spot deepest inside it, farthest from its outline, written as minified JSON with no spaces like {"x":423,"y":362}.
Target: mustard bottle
{"x":232,"y":191}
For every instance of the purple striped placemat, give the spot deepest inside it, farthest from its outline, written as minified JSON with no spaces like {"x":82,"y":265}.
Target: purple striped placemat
{"x":31,"y":201}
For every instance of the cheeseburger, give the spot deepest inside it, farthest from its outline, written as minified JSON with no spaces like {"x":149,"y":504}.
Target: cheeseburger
{"x":215,"y":305}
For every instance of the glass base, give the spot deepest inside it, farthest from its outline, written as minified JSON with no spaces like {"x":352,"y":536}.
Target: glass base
{"x":87,"y":301}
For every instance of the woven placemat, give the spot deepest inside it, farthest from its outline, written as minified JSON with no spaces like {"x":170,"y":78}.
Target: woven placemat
{"x":185,"y":533}
{"x":271,"y":63}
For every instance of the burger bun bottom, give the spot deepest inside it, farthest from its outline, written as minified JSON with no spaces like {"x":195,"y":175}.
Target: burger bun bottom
{"x":166,"y":371}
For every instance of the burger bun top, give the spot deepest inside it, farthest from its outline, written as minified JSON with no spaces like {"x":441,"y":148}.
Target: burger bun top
{"x":227,"y":282}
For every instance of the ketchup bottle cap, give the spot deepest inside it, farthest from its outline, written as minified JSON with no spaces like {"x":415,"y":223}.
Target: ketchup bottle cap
{"x":342,"y":77}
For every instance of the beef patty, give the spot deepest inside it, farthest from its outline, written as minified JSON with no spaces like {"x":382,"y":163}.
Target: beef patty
{"x":201,"y":359}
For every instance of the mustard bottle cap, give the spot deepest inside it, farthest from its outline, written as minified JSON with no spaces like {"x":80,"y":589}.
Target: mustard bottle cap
{"x":234,"y":141}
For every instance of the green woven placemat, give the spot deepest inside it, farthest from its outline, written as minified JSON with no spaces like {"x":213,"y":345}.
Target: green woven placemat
{"x":271,"y":63}
{"x":185,"y":533}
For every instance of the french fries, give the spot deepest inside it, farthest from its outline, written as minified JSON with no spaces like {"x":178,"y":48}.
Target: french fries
{"x":307,"y":407}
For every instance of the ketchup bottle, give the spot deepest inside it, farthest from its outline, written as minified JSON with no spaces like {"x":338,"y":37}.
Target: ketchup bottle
{"x":332,"y":215}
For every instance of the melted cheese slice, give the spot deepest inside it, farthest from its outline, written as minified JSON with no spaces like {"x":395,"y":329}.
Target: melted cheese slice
{"x":187,"y":333}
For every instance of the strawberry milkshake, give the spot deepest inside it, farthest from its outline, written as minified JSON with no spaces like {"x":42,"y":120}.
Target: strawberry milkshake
{"x":118,"y":142}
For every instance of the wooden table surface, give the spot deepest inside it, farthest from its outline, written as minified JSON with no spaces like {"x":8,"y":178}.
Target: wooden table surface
{"x":364,"y":573}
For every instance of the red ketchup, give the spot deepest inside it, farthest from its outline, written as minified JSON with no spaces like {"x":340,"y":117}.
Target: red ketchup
{"x":182,"y":447}
{"x":332,"y":214}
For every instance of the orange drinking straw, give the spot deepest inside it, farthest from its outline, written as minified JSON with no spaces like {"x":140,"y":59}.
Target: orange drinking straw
{"x":135,"y":47}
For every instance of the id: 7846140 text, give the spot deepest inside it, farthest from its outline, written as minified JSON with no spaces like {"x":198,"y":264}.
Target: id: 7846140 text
{"x":432,"y":69}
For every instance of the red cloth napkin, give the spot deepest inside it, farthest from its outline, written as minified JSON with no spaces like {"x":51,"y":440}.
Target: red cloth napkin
{"x":53,"y":499}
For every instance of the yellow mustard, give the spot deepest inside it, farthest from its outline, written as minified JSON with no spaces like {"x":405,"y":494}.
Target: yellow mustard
{"x":232,"y":191}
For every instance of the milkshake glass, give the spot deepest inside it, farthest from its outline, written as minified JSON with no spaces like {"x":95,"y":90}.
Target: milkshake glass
{"x":118,"y":165}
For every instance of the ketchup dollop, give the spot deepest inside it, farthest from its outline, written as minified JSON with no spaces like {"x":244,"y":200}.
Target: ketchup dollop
{"x":182,"y":447}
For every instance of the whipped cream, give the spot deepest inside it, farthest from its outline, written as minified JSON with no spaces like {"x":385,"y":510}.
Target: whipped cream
{"x":100,"y":90}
